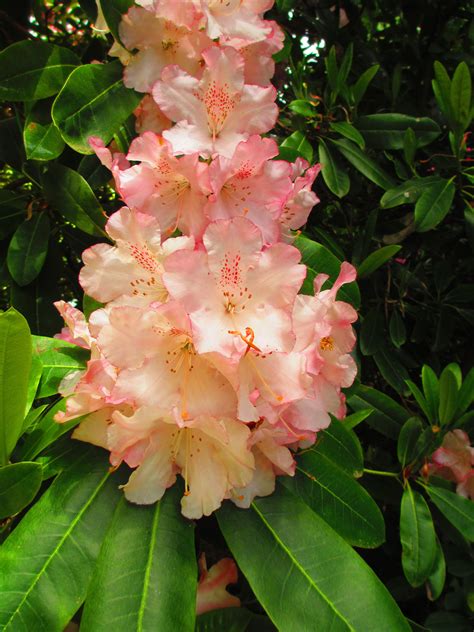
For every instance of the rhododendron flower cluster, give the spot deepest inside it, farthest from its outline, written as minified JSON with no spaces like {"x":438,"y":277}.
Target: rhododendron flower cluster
{"x":205,"y":361}
{"x":454,"y":461}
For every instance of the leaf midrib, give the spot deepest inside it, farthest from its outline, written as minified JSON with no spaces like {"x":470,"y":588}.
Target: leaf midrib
{"x":58,"y":546}
{"x":301,"y":569}
{"x":149,"y":563}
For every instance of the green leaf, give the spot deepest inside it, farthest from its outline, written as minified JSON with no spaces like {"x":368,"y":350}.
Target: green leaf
{"x":442,"y":90}
{"x":19,"y":484}
{"x":59,"y":541}
{"x":58,"y":358}
{"x":338,"y":498}
{"x":420,"y":399}
{"x":433,"y":205}
{"x":369,"y":168}
{"x":387,"y":131}
{"x":33,"y":381}
{"x":372,"y":332}
{"x":466,"y":393}
{"x":113,"y":11}
{"x":45,"y":433}
{"x":33,"y":69}
{"x":147,"y":565}
{"x":93,"y":102}
{"x":406,"y":445}
{"x":458,"y":510}
{"x":301,"y":561}
{"x":333,"y":174}
{"x":363,"y":82}
{"x":408,"y":192}
{"x":318,"y":259}
{"x":409,"y":146}
{"x":417,"y":536}
{"x":28,"y":249}
{"x":42,"y":142}
{"x":12,"y":211}
{"x":430,"y":384}
{"x":15,"y":363}
{"x":346,"y":65}
{"x":461,"y":94}
{"x":348,"y":131}
{"x":302,"y":107}
{"x":397,"y":329}
{"x":376,"y":259}
{"x":391,"y":368}
{"x":437,"y":578}
{"x":443,"y":621}
{"x":351,"y":421}
{"x":73,"y":198}
{"x":296,"y":145}
{"x":387,"y":418}
{"x":331,"y":69}
{"x":228,"y":619}
{"x":339,"y":444}
{"x":448,"y":394}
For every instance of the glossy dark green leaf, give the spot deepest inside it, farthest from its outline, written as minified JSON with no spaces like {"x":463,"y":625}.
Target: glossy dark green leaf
{"x":341,"y":445}
{"x":58,"y":358}
{"x":409,"y":146}
{"x":302,"y":107}
{"x":59,"y":540}
{"x":448,"y":394}
{"x":442,"y":90}
{"x":387,"y":417}
{"x":387,"y":131}
{"x":338,"y":498}
{"x":363,"y":82}
{"x":147,"y":565}
{"x":296,"y":145}
{"x":301,"y":561}
{"x":28,"y":249}
{"x":93,"y":102}
{"x":466,"y":393}
{"x":407,"y":439}
{"x":33,"y":69}
{"x":397,"y":329}
{"x":45,"y":432}
{"x":34,"y":378}
{"x":353,"y":420}
{"x":19,"y":484}
{"x":15,"y":364}
{"x":113,"y":11}
{"x":372,"y":332}
{"x":458,"y":510}
{"x":42,"y":142}
{"x":408,"y":192}
{"x":420,"y":399}
{"x":348,"y":131}
{"x":376,"y":259}
{"x":437,"y":578}
{"x":331,"y":68}
{"x":430,"y":384}
{"x":333,"y":174}
{"x":433,"y":205}
{"x":391,"y":367}
{"x":93,"y":171}
{"x":319,"y":259}
{"x":73,"y":198}
{"x":417,"y":536}
{"x":12,"y":210}
{"x":461,"y":95}
{"x":361,"y":161}
{"x":228,"y":619}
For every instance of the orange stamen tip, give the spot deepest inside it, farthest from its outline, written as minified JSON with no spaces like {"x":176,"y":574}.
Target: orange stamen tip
{"x":187,"y":492}
{"x":185,"y":414}
{"x":240,"y":497}
{"x":435,"y":429}
{"x":280,"y":398}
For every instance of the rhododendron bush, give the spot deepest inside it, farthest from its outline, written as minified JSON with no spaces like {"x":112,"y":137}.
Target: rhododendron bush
{"x":192,"y":435}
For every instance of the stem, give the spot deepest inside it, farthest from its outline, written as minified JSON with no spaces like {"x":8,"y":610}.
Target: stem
{"x":380,"y":473}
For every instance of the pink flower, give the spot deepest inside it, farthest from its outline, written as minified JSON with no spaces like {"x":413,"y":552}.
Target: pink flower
{"x":301,"y":199}
{"x":160,"y":43}
{"x":239,"y":292}
{"x":133,"y":267}
{"x":210,"y":453}
{"x":236,"y":19}
{"x":215,"y":113}
{"x":155,"y":347}
{"x":454,"y":461}
{"x":211,"y":591}
{"x":149,"y":117}
{"x":173,"y":190}
{"x":251,"y":185}
{"x":76,"y":330}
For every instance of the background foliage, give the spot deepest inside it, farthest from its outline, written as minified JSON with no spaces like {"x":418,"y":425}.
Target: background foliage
{"x":380,"y":94}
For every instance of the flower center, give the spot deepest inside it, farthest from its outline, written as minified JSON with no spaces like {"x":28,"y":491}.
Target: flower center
{"x":326,"y":343}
